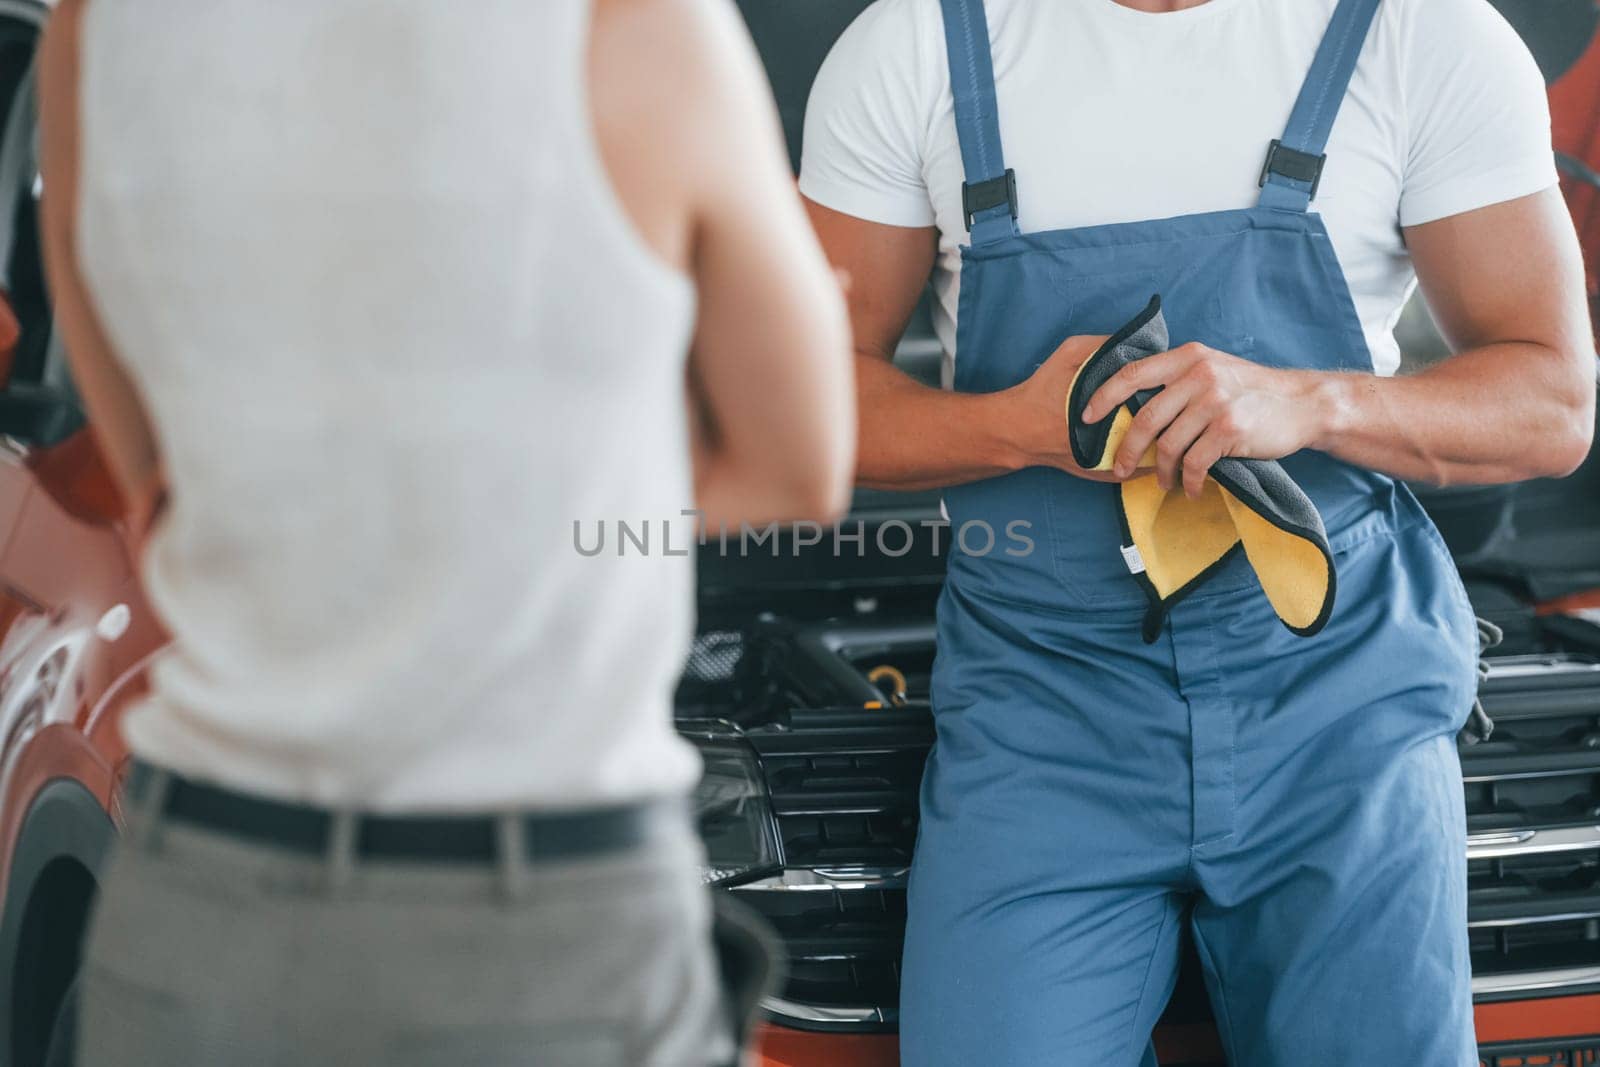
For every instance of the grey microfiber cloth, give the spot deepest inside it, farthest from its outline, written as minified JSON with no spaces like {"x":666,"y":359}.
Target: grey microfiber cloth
{"x":1172,"y":544}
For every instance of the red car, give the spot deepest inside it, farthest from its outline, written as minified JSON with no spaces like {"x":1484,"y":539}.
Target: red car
{"x":807,"y":689}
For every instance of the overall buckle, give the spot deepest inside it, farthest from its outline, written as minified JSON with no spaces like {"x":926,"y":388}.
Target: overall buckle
{"x":1293,"y":163}
{"x":981,"y":196}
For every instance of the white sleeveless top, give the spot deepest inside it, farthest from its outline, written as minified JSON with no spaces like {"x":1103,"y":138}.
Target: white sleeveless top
{"x":397,"y":337}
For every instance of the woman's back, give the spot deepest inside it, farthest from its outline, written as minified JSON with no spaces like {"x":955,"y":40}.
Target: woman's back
{"x":396,"y":336}
{"x":384,"y":297}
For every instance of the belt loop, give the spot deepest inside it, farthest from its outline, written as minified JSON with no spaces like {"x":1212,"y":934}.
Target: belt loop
{"x":340,"y":856}
{"x":147,"y":810}
{"x":511,"y":855}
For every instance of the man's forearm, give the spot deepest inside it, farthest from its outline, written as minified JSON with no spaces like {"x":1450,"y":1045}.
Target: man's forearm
{"x":916,"y":437}
{"x":1500,"y":413}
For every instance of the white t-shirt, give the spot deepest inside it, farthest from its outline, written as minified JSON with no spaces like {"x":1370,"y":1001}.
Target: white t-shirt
{"x":1108,"y":114}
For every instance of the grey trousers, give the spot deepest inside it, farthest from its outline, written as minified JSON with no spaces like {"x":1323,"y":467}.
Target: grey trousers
{"x":207,"y":949}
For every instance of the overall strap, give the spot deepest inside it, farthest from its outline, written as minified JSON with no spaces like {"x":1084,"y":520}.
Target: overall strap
{"x":1293,"y":166}
{"x":989,"y":194}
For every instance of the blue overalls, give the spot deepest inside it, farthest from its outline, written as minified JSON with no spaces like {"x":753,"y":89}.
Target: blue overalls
{"x":1295,"y":801}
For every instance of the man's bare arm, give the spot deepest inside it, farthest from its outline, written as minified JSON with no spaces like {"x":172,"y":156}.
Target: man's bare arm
{"x":116,"y":412}
{"x":912,"y":436}
{"x":1506,"y":285}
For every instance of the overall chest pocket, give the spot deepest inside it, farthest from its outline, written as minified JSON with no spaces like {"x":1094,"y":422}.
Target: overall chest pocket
{"x":1083,"y":518}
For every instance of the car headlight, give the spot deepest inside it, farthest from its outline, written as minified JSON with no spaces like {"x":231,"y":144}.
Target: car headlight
{"x":734,"y":813}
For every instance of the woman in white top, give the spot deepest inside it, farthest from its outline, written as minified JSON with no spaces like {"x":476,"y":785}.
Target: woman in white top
{"x":370,"y":303}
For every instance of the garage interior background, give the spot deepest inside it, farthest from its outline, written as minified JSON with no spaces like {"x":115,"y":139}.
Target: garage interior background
{"x":807,"y":689}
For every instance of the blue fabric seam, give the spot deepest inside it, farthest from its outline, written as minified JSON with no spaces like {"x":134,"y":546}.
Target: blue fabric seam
{"x":1233,"y":734}
{"x":1132,"y":1040}
{"x":1225,"y":1016}
{"x":1321,"y":102}
{"x":977,"y":104}
{"x":1137,"y":244}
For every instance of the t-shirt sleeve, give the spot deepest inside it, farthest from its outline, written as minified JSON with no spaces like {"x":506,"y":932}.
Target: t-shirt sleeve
{"x":861,"y":152}
{"x":1477,"y":119}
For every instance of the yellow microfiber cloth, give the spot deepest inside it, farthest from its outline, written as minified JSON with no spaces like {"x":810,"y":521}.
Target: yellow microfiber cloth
{"x":1172,"y":544}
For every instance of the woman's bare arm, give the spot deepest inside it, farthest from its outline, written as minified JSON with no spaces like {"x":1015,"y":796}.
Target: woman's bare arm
{"x":689,"y":131}
{"x":116,"y":414}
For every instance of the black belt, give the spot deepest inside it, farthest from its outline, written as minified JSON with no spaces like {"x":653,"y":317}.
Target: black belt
{"x":451,"y":838}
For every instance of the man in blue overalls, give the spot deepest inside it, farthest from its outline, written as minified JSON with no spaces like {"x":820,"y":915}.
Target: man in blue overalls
{"x":1279,"y":173}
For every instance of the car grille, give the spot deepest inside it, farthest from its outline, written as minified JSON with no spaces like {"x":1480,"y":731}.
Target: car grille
{"x":1533,"y":818}
{"x":843,"y":784}
{"x":1583,"y":1052}
{"x":843,"y":753}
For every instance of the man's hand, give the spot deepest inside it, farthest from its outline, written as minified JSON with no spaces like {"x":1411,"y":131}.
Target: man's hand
{"x":1040,"y":408}
{"x":1211,"y":405}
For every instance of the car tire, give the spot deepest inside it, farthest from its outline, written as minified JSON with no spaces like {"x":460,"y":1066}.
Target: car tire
{"x":62,"y":1049}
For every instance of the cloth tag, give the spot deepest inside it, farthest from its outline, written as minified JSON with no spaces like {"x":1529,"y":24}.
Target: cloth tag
{"x":1131,"y":556}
